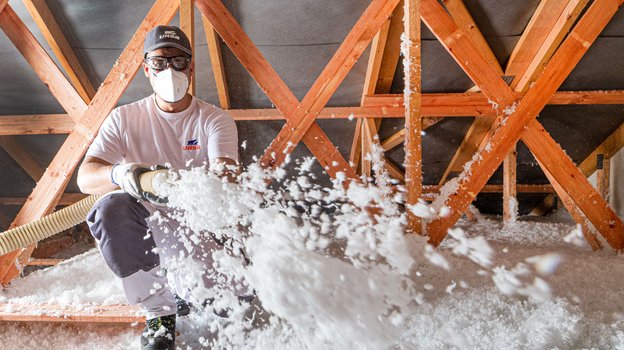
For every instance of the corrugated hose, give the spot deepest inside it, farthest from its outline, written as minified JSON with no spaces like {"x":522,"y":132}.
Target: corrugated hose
{"x":49,"y":225}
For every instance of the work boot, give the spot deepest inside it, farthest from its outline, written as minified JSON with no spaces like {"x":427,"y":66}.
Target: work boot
{"x":182,"y":306}
{"x":159,"y":333}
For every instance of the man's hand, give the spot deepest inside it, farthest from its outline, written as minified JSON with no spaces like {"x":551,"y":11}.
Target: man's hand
{"x":126,"y":176}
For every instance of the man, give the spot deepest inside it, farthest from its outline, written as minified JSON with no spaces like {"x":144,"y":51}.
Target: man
{"x":169,"y":127}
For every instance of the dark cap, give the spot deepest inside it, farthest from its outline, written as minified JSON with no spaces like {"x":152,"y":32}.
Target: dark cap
{"x":166,"y":36}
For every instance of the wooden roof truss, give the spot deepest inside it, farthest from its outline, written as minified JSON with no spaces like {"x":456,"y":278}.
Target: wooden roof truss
{"x":535,"y":80}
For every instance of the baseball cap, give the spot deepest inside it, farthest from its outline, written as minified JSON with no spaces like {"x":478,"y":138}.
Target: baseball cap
{"x":166,"y":36}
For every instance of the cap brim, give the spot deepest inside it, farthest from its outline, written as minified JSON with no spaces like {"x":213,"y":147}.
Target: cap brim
{"x":159,"y":45}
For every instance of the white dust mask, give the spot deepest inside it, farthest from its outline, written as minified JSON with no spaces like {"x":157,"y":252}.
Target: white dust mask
{"x":170,"y":85}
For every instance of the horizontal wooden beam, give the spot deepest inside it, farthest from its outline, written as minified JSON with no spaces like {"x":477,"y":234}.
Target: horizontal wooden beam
{"x":382,"y":106}
{"x":521,"y":188}
{"x":36,"y":124}
{"x":71,"y":313}
{"x":44,"y":262}
{"x":66,"y":199}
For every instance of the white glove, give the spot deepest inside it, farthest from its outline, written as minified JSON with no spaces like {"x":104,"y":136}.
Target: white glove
{"x":126,"y":176}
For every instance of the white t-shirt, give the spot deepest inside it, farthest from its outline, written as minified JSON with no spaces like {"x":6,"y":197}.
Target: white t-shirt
{"x":141,"y":132}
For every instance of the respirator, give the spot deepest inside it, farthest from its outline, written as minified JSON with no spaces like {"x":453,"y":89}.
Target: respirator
{"x":170,"y":85}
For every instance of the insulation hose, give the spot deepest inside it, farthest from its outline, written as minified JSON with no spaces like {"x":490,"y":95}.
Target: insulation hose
{"x":70,"y":216}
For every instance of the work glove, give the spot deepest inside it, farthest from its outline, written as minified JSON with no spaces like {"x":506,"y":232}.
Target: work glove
{"x":127,"y":175}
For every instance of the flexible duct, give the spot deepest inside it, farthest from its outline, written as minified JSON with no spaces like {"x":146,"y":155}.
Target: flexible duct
{"x":70,"y":216}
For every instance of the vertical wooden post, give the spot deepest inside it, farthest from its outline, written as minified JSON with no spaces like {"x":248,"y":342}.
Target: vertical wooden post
{"x":413,"y":116}
{"x":187,"y":24}
{"x":602,"y":175}
{"x":510,"y":203}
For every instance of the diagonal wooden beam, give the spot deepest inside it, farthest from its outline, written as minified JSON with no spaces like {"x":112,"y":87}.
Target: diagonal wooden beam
{"x":367,"y":127}
{"x":270,"y":82}
{"x":532,"y":59}
{"x":458,"y":11}
{"x":608,"y":148}
{"x":552,"y":19}
{"x":326,"y":84}
{"x":488,"y":158}
{"x":382,"y":63}
{"x":187,"y":24}
{"x":22,"y":157}
{"x":574,"y":189}
{"x":46,"y":22}
{"x":216,"y":60}
{"x":3,"y":4}
{"x":49,"y":188}
{"x":41,"y":62}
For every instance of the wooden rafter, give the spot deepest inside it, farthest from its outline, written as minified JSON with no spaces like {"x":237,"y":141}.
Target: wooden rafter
{"x":36,"y":124}
{"x":270,"y":82}
{"x":41,"y":62}
{"x":546,"y":150}
{"x":187,"y":24}
{"x":382,"y":63}
{"x":464,"y":20}
{"x":362,"y":145}
{"x":552,"y":19}
{"x":46,"y":22}
{"x":326,"y":84}
{"x":50,"y":187}
{"x":22,"y":157}
{"x":216,"y":60}
{"x":608,"y":148}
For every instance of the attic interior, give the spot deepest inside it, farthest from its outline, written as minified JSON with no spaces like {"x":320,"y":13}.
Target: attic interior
{"x":479,"y":76}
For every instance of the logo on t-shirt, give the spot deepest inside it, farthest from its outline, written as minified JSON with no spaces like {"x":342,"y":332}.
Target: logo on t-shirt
{"x":191,"y":145}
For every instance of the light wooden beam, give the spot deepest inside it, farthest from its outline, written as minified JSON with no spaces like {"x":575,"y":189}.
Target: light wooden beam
{"x":534,"y":57}
{"x":413,"y":116}
{"x":385,"y":52}
{"x":551,"y":21}
{"x":70,"y":313}
{"x":216,"y":60}
{"x":509,"y":187}
{"x":588,"y":230}
{"x":394,"y":171}
{"x":267,"y":78}
{"x":22,"y":157}
{"x":608,"y":148}
{"x":187,"y":24}
{"x":36,"y":124}
{"x":48,"y":191}
{"x":603,"y":176}
{"x":41,"y":62}
{"x":46,"y":22}
{"x":458,"y":11}
{"x":328,"y":81}
{"x":44,"y":262}
{"x":539,"y":142}
{"x":366,"y":127}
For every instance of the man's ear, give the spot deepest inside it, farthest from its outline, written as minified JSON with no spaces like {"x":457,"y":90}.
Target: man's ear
{"x":145,"y":69}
